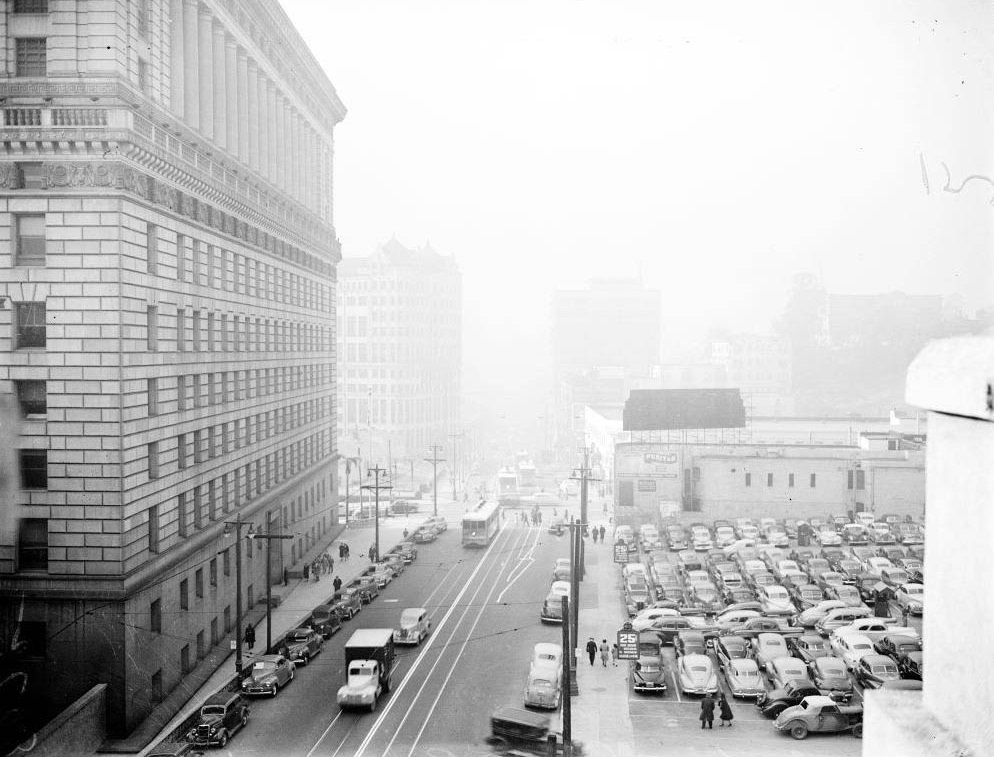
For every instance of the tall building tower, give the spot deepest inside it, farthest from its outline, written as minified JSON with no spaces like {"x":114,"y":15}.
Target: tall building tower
{"x":167,"y":331}
{"x":400,"y":346}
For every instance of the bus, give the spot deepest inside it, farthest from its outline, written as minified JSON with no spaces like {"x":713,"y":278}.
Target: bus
{"x":507,"y":488}
{"x":481,"y":524}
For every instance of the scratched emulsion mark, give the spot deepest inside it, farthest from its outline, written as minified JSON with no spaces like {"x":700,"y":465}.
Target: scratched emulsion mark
{"x":949,"y":179}
{"x":16,"y":734}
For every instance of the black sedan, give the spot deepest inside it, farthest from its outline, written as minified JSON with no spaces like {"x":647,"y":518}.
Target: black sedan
{"x":894,"y":645}
{"x":347,"y":603}
{"x":831,"y":677}
{"x":729,"y":648}
{"x":303,"y":643}
{"x":690,"y":642}
{"x":909,"y":665}
{"x":325,"y":620}
{"x":774,"y":702}
{"x":808,"y":647}
{"x":873,"y":669}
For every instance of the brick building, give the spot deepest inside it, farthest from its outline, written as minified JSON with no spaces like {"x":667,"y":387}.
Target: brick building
{"x":167,"y":331}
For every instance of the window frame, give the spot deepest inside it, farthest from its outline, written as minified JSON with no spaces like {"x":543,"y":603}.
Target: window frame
{"x":20,"y":238}
{"x":26,"y":404}
{"x":22,"y":311}
{"x":32,"y":554}
{"x":40,"y":470}
{"x":22,"y":57}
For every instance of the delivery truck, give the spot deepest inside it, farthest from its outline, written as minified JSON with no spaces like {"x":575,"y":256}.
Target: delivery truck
{"x":369,"y":658}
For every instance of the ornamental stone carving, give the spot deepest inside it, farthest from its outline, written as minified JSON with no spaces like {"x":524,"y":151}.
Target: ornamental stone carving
{"x":8,"y":176}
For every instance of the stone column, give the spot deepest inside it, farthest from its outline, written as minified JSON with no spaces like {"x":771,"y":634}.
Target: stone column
{"x":287,"y":146}
{"x":206,"y":84}
{"x":297,"y":158}
{"x":273,"y":121}
{"x":281,"y":140}
{"x":220,"y":103}
{"x":176,"y":72}
{"x":252,"y":114}
{"x":191,"y":64}
{"x":242,"y":120}
{"x":262,"y":116}
{"x":231,"y":91}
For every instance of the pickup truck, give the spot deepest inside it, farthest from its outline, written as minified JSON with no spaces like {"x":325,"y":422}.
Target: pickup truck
{"x":369,"y":658}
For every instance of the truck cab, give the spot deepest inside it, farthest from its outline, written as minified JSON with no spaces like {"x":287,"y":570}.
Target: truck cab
{"x":369,"y":656}
{"x":362,"y":687}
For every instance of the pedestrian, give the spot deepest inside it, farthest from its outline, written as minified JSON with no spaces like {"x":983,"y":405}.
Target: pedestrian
{"x":614,"y":654}
{"x":406,"y":532}
{"x":591,"y":649}
{"x":348,"y":551}
{"x":331,"y":564}
{"x":316,"y":571}
{"x":707,"y":712}
{"x":307,"y":571}
{"x":904,"y":616}
{"x":603,"y":531}
{"x":372,"y":553}
{"x":726,"y":711}
{"x":337,"y":583}
{"x":341,"y":551}
{"x":604,"y":649}
{"x":594,"y":533}
{"x":250,"y":636}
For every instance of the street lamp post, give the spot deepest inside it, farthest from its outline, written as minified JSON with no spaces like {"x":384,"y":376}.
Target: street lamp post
{"x":237,"y":525}
{"x":377,"y":471}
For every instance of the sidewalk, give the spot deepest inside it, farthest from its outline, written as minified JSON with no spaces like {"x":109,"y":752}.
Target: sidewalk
{"x":297,"y":601}
{"x":600,"y":716}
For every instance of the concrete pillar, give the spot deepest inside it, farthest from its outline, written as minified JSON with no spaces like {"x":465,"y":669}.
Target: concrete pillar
{"x":262,"y":116}
{"x":176,"y":72}
{"x":281,"y":140}
{"x":252,"y":115}
{"x":206,"y":71}
{"x":273,"y":120}
{"x":191,"y":64}
{"x":297,"y":158}
{"x":243,"y":107}
{"x":231,"y":91}
{"x":220,"y":103}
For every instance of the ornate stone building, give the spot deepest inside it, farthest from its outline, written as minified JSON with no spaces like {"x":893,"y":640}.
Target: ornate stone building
{"x":167,"y":332}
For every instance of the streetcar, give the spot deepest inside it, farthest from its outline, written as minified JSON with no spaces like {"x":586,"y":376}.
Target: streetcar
{"x":481,"y":524}
{"x":527,"y":479}
{"x":507,"y":488}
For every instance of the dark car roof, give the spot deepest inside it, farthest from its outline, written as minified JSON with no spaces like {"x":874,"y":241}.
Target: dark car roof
{"x":733,"y":641}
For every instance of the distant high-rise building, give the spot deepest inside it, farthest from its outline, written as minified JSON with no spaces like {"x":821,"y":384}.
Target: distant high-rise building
{"x":400,"y":351}
{"x":167,"y":334}
{"x":615,"y":322}
{"x":759,"y":366}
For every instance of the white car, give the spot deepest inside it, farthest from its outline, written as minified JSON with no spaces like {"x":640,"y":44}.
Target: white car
{"x":775,"y":600}
{"x":829,"y":538}
{"x":812,"y":615}
{"x":911,"y":597}
{"x":645,"y":618}
{"x":724,"y":535}
{"x":851,"y":647}
{"x":876,"y":564}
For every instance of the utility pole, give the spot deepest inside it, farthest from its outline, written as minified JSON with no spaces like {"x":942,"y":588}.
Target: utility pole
{"x":377,"y":472}
{"x":237,"y":525}
{"x":568,"y":680}
{"x":573,"y":619}
{"x":582,"y":475}
{"x":455,"y":461}
{"x":269,"y":536}
{"x":435,"y":460}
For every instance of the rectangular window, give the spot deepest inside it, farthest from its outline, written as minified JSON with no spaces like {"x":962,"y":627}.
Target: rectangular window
{"x":860,"y":479}
{"x":155,"y":616}
{"x":30,"y":6}
{"x":142,"y":75}
{"x":152,"y":388}
{"x":199,"y":582}
{"x":184,"y":594}
{"x":180,"y":257}
{"x":790,"y":480}
{"x":214,"y":635}
{"x":151,"y":247}
{"x":153,"y":529}
{"x":812,"y":481}
{"x":849,"y":479}
{"x":151,"y":328}
{"x":181,"y":450}
{"x":213,"y":572}
{"x":29,"y":320}
{"x":769,"y":479}
{"x":144,"y":17}
{"x":198,"y":444}
{"x":198,"y":507}
{"x":181,"y":329}
{"x":184,"y":659}
{"x":211,"y":344}
{"x":34,"y":468}
{"x":32,"y":545}
{"x":196,"y":330}
{"x":32,"y":398}
{"x":153,"y":460}
{"x":31,"y":56}
{"x":182,"y":521}
{"x":29,"y":243}
{"x":227,"y":619}
{"x":226,"y":562}
{"x":748,"y":479}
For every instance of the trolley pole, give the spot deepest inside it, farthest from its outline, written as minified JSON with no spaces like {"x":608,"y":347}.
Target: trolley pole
{"x":375,"y":487}
{"x":434,"y":460}
{"x":582,"y":475}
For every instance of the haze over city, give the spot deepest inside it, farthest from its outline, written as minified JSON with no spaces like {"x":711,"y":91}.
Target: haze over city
{"x":713,"y":149}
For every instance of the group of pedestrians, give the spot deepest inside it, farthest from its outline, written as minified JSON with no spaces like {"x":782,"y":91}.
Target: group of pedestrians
{"x":707,"y":711}
{"x":595,"y":532}
{"x":593,"y":648}
{"x":343,"y":551}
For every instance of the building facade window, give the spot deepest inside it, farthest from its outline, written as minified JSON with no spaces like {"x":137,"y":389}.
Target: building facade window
{"x":861,"y":479}
{"x":152,"y":328}
{"x":199,"y":582}
{"x":153,"y":529}
{"x":152,"y":388}
{"x":215,"y":638}
{"x":155,"y":616}
{"x":850,"y":479}
{"x":748,"y":479}
{"x":153,"y":460}
{"x":184,"y":594}
{"x":32,"y":398}
{"x":29,"y":321}
{"x":30,"y":6}
{"x":181,"y":329}
{"x":226,"y":562}
{"x":32,"y":545}
{"x":31,"y":56}
{"x":213,"y":571}
{"x":34,"y":468}
{"x":180,"y":257}
{"x":29,"y":240}
{"x":181,"y":516}
{"x":790,"y":480}
{"x":227,"y":619}
{"x":181,"y":450}
{"x":769,"y":479}
{"x":184,"y":659}
{"x":813,"y":480}
{"x":151,"y":247}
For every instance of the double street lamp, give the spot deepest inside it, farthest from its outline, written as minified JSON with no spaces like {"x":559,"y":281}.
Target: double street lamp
{"x":237,"y":525}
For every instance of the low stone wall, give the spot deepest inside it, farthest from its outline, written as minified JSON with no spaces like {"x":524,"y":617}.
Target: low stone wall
{"x":78,"y":729}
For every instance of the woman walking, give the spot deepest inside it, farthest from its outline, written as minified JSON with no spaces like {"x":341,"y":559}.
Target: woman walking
{"x":604,"y":650}
{"x":725,"y":711}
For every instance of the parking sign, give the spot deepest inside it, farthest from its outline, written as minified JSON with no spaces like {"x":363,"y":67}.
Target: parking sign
{"x":628,"y":643}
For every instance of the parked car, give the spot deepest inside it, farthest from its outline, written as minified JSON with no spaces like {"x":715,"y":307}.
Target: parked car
{"x":347,"y":602}
{"x":851,"y":648}
{"x":840,"y":617}
{"x":644,"y":619}
{"x":911,"y":597}
{"x":220,"y":717}
{"x":820,"y":714}
{"x":775,"y":600}
{"x":772,"y":703}
{"x":303,"y":643}
{"x":909,"y":664}
{"x":766,"y":647}
{"x":648,"y":673}
{"x":413,"y":626}
{"x":805,"y":596}
{"x":784,"y":669}
{"x":690,"y":642}
{"x":395,"y":562}
{"x":424,"y":535}
{"x":408,"y":552}
{"x":873,"y":669}
{"x":382,"y":575}
{"x":696,"y":674}
{"x":743,"y":678}
{"x":325,"y":620}
{"x":267,"y":675}
{"x":812,"y":615}
{"x":542,"y":688}
{"x":848,"y":595}
{"x":829,"y":674}
{"x":808,"y":647}
{"x":404,"y":507}
{"x":893,"y":645}
{"x":728,"y":648}
{"x":368,"y":588}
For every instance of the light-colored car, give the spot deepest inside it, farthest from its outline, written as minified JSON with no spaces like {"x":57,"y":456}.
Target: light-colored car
{"x":303,"y":643}
{"x":812,"y":615}
{"x":645,"y":618}
{"x":696,"y":674}
{"x":767,"y":647}
{"x":775,"y":600}
{"x":911,"y":597}
{"x":841,"y":617}
{"x":542,"y":688}
{"x":413,"y":627}
{"x":850,"y":647}
{"x":268,"y":674}
{"x":828,"y":538}
{"x":724,"y":535}
{"x":874,"y":565}
{"x":743,"y":677}
{"x":783,"y":669}
{"x":383,"y":575}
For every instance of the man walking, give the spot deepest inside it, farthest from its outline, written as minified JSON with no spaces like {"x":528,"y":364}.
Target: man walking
{"x":603,"y":531}
{"x":591,"y":649}
{"x":337,"y":583}
{"x":250,"y":637}
{"x":707,"y":712}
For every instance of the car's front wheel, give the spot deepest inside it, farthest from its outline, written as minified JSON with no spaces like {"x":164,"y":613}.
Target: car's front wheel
{"x":222,"y":740}
{"x":857,"y":730}
{"x":245,"y":718}
{"x":276,"y":690}
{"x":798,"y":730}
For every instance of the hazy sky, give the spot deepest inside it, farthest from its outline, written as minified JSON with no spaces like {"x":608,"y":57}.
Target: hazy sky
{"x":717,"y":148}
